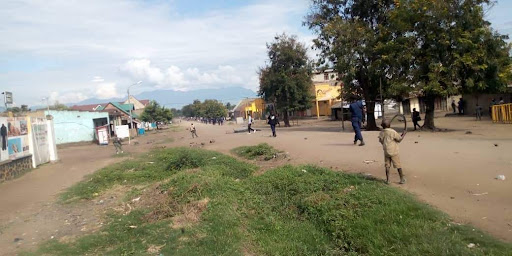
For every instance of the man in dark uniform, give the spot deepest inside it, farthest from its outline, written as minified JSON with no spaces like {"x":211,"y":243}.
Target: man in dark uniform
{"x":356,"y":110}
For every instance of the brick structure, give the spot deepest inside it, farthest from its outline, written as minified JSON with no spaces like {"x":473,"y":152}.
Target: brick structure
{"x":15,"y":168}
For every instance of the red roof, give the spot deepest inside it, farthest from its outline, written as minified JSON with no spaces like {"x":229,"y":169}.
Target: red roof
{"x":90,"y":107}
{"x":144,"y":102}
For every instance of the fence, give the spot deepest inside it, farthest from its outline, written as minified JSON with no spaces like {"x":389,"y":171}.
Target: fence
{"x":502,"y":113}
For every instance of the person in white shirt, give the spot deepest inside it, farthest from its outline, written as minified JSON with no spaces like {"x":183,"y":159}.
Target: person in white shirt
{"x":249,"y":124}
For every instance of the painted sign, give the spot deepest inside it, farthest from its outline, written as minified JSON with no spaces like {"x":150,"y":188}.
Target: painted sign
{"x":40,"y":145}
{"x":122,"y":131}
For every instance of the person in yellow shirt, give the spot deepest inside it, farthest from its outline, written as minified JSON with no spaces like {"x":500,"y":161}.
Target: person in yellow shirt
{"x":389,"y":139}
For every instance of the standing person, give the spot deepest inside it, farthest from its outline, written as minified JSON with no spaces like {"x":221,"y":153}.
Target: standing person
{"x":493,"y":102}
{"x":193,"y":131}
{"x":118,"y":145}
{"x":389,"y":139}
{"x":249,"y":124}
{"x":416,"y":118}
{"x":357,"y":112}
{"x":461,"y":107}
{"x":453,"y":106}
{"x":272,"y":120}
{"x":478,"y":110}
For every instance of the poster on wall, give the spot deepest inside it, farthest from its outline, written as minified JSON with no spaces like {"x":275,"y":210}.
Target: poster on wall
{"x":13,"y":128}
{"x":17,"y":138}
{"x":40,"y":145}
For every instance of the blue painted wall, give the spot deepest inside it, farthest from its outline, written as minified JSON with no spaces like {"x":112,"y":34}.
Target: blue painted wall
{"x":74,"y":126}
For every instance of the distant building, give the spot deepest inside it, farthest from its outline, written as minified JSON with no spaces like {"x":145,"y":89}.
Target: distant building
{"x":252,"y":106}
{"x":90,"y":107}
{"x":326,"y":89}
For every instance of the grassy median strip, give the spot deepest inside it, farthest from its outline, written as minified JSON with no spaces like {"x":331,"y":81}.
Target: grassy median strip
{"x":207,"y":203}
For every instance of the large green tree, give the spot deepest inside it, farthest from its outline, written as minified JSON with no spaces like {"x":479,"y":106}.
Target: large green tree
{"x":353,"y":35}
{"x":450,"y":49}
{"x":286,"y":80}
{"x":156,"y":113}
{"x":213,"y":109}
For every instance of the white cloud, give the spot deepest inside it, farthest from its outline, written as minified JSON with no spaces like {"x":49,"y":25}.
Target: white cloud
{"x":107,"y":91}
{"x":97,"y":79}
{"x":66,"y":97}
{"x":174,"y":78}
{"x":149,"y":40}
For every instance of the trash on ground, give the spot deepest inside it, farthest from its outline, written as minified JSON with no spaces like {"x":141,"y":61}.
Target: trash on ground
{"x":500,"y":177}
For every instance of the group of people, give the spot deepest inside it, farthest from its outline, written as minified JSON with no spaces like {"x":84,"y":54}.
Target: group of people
{"x":272,"y":120}
{"x":214,"y":121}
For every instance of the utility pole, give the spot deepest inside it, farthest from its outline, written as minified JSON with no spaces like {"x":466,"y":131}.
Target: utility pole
{"x":381,"y":98}
{"x":341,"y":107}
{"x":131,"y":116}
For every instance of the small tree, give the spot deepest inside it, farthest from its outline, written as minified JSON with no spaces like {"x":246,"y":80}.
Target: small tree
{"x":286,"y":81}
{"x":58,"y":106}
{"x":156,"y":113}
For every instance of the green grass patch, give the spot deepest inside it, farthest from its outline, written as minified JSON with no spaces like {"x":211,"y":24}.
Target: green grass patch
{"x":261,"y":151}
{"x":290,"y":210}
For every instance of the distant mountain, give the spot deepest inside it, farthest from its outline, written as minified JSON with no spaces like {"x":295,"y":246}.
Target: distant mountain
{"x":178,"y":99}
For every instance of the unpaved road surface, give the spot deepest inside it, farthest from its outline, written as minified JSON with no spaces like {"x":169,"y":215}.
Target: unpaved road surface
{"x":454,"y":171}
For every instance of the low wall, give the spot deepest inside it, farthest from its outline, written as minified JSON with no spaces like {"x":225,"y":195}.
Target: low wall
{"x":15,"y":168}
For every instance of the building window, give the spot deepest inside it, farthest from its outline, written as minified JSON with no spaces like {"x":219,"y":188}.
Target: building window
{"x":326,"y":76}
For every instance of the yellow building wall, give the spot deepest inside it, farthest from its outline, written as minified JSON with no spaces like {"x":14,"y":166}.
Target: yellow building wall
{"x":326,"y":95}
{"x":256,"y":108}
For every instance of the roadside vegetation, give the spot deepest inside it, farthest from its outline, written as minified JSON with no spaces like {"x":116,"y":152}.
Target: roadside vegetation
{"x":200,"y":202}
{"x":262,"y":151}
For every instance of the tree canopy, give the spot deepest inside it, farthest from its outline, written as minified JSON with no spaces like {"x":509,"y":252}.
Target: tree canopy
{"x":286,"y":80}
{"x":156,"y":113}
{"x":451,"y":49}
{"x":353,"y":36}
{"x":207,"y":109}
{"x":429,"y":47}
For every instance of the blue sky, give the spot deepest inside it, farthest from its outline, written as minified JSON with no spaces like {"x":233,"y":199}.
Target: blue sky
{"x":75,"y":50}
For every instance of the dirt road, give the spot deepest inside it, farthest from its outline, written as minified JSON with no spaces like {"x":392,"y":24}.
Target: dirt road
{"x":453,"y":171}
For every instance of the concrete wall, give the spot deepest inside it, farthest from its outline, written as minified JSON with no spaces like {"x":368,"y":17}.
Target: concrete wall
{"x":75,"y":126}
{"x":484,"y":100}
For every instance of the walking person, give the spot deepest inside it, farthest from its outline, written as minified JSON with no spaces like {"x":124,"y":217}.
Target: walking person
{"x":416,"y":118}
{"x":193,"y":131}
{"x":118,"y":145}
{"x":389,"y":139}
{"x":272,"y":121}
{"x":357,"y":112}
{"x":478,"y":112}
{"x":454,"y":106}
{"x":249,"y":124}
{"x":461,"y":107}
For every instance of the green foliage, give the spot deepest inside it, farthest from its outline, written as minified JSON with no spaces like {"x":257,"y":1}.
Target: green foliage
{"x":290,"y":210}
{"x":286,"y":80}
{"x":453,"y":51}
{"x":208,"y":109}
{"x":176,"y":112}
{"x":156,"y":113}
{"x":263,"y":151}
{"x":58,"y":106}
{"x":354,"y":36}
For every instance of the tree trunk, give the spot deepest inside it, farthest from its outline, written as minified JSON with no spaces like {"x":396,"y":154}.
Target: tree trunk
{"x":429,"y":113}
{"x":371,"y":125}
{"x":286,"y":119}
